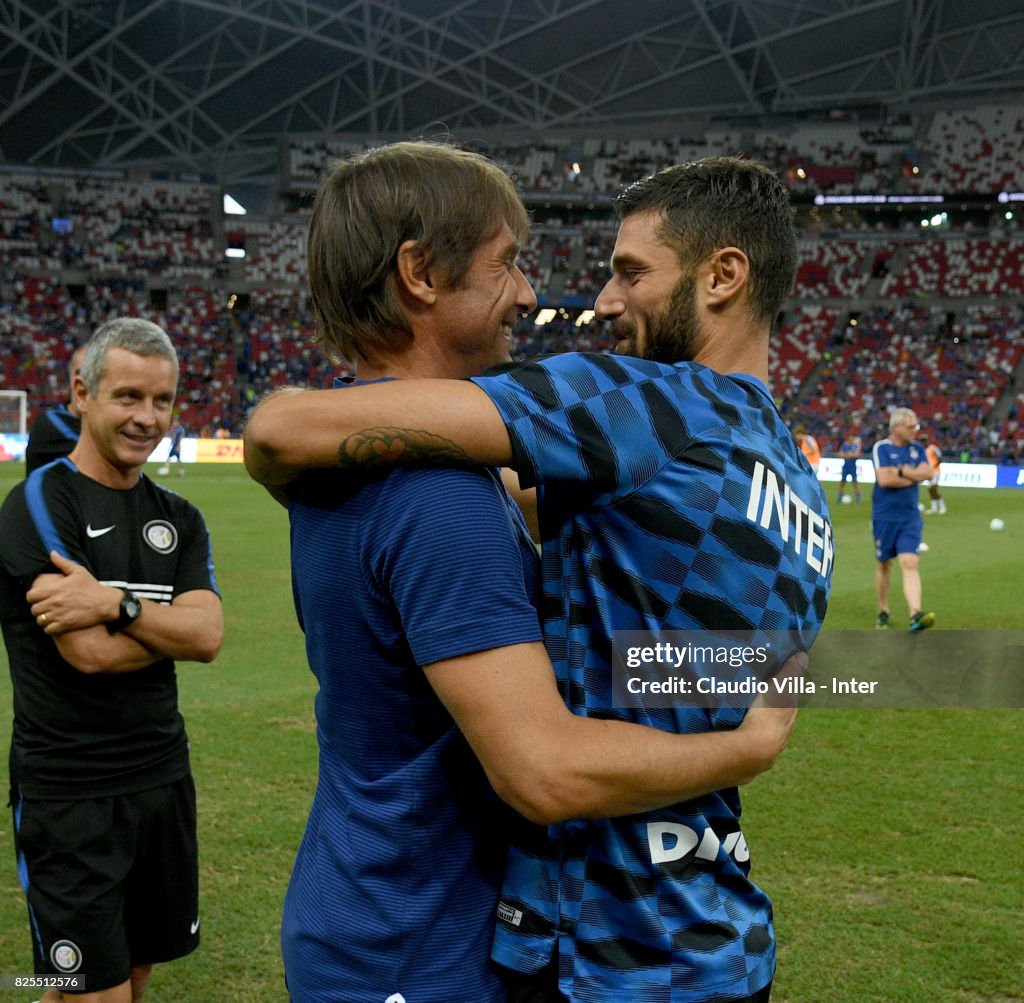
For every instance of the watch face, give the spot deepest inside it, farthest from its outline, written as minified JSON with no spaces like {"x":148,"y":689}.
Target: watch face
{"x":131,"y":608}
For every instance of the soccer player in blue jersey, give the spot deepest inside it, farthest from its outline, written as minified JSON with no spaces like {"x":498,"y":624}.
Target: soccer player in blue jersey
{"x":901,"y":464}
{"x":670,"y":495}
{"x":414,"y":589}
{"x":850,"y":451}
{"x":174,"y":452}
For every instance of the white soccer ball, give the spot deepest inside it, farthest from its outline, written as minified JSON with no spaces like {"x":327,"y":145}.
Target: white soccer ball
{"x":847,"y":500}
{"x":922,"y":547}
{"x":996,"y":525}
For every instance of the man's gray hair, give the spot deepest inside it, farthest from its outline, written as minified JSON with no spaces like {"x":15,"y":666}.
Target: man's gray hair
{"x":899,"y":415}
{"x":133,"y":334}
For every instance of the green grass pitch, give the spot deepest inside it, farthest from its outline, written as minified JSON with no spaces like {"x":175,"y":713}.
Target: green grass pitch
{"x":888,"y":839}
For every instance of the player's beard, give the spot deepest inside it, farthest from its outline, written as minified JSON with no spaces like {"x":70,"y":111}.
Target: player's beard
{"x":674,"y":334}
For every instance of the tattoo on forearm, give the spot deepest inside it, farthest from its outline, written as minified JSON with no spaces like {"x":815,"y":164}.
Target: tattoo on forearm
{"x":381,"y":447}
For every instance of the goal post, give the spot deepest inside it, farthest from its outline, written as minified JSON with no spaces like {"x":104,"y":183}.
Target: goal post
{"x":13,"y":412}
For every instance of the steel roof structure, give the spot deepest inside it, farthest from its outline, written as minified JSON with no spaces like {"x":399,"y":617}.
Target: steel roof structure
{"x":212,"y":86}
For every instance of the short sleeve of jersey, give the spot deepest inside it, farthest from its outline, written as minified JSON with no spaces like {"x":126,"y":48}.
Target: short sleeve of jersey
{"x":22,"y":551}
{"x":195,"y":570}
{"x":885,"y":454}
{"x":561,"y":412}
{"x":449,"y":553}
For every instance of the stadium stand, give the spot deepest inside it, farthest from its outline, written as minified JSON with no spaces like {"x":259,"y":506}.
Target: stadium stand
{"x":938,"y":312}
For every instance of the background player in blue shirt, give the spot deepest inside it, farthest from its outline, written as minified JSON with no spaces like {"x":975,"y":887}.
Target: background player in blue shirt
{"x":414,"y":590}
{"x":896,"y":524}
{"x":661,"y":505}
{"x":55,"y":432}
{"x":850,"y":451}
{"x":174,"y":451}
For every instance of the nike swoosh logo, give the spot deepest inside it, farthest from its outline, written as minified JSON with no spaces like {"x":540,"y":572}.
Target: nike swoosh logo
{"x":194,"y":926}
{"x":93,"y":533}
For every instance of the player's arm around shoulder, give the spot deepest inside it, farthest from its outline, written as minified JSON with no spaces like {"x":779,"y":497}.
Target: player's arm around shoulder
{"x":552,"y":765}
{"x":409,"y":422}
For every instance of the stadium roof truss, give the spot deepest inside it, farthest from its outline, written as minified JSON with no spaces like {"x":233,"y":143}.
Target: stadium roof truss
{"x":211,"y":86}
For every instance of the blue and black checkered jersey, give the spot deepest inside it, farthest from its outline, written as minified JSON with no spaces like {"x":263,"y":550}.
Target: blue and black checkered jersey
{"x":670,"y":497}
{"x":895,"y":504}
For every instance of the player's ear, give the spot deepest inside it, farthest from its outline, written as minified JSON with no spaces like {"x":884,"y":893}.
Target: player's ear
{"x":79,"y":393}
{"x":728,"y":271}
{"x":414,"y":272}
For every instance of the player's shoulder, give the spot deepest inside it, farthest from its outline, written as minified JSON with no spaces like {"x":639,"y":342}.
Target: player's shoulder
{"x":408,"y":487}
{"x":167,"y":497}
{"x":585,"y":369}
{"x":54,"y":484}
{"x":57,"y":471}
{"x":883,"y":449}
{"x":455,"y":482}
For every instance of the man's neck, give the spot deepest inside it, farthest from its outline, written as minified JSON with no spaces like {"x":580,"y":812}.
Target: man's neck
{"x":411,"y":365}
{"x":745,"y":352}
{"x":88,"y":462}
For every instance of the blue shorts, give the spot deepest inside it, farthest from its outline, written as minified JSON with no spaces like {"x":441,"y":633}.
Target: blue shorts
{"x":849,"y":470}
{"x":893,"y":538}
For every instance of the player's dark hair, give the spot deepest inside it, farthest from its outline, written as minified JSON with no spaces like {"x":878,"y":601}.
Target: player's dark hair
{"x":447,"y":199}
{"x":724,"y":202}
{"x":142,"y":337}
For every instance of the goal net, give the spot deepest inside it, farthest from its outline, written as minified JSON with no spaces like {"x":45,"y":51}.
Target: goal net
{"x":13,"y":412}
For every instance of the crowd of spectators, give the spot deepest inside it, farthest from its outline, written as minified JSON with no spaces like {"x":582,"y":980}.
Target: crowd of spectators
{"x":953,"y":372}
{"x":973,"y":150}
{"x":939,"y":318}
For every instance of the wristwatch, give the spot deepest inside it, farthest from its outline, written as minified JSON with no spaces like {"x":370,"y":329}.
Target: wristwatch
{"x":128,"y":612}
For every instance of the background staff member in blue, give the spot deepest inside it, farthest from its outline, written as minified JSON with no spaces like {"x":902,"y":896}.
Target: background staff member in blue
{"x":850,"y":451}
{"x":654,"y":514}
{"x":174,"y":452}
{"x":105,"y":580}
{"x":900,"y":465}
{"x":55,"y":432}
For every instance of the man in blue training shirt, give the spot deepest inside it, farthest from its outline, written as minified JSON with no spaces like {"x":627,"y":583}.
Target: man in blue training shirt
{"x":414,"y":590}
{"x":850,"y":451}
{"x":55,"y":432}
{"x":174,"y":451}
{"x":896,"y":524}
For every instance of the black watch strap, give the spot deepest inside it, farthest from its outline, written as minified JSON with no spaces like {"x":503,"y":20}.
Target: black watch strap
{"x":129,"y":611}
